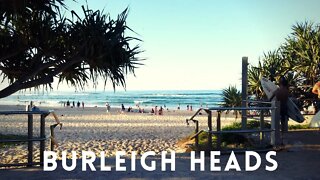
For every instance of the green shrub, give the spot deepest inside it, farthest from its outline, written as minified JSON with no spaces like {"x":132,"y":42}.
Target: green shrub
{"x":234,"y":138}
{"x":298,"y":126}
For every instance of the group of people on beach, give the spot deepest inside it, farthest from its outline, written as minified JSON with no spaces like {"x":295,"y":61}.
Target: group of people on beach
{"x":189,"y":107}
{"x":129,"y":109}
{"x":155,"y":110}
{"x":68,"y":104}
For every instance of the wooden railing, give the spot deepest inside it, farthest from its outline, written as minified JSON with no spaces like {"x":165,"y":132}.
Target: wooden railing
{"x":275,"y":130}
{"x":42,"y":138}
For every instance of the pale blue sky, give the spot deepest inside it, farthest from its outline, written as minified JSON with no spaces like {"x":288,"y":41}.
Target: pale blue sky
{"x":198,"y":44}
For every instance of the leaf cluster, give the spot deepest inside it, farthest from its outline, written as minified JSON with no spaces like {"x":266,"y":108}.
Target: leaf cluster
{"x":39,"y":44}
{"x":297,"y":59}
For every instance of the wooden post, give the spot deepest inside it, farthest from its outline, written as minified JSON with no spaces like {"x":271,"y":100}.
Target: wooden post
{"x":52,"y":137}
{"x":261,"y":126}
{"x":30,"y":136}
{"x":197,"y":137}
{"x":244,"y":92}
{"x":210,"y":129}
{"x":218,"y":130}
{"x":275,"y":124}
{"x":42,"y":136}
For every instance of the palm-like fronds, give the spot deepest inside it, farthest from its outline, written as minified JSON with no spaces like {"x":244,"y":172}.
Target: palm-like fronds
{"x":254,"y":85}
{"x":39,"y":44}
{"x":271,"y":65}
{"x":298,"y":59}
{"x":231,"y":98}
{"x":302,"y":49}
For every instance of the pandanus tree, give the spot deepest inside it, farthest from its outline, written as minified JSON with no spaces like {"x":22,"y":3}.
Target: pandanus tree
{"x":297,"y":59}
{"x":254,"y":76}
{"x":302,"y":49}
{"x":272,"y":66}
{"x":39,"y":45}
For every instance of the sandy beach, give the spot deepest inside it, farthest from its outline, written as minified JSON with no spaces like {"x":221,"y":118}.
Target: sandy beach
{"x":96,"y":130}
{"x":92,"y":128}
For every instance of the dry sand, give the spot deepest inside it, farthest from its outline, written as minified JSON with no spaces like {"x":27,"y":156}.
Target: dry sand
{"x":96,"y":130}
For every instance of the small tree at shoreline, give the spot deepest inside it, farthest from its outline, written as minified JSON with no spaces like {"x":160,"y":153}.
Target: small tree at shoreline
{"x":231,"y":98}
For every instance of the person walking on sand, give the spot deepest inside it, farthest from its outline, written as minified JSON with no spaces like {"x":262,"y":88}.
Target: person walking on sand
{"x":108,"y":107}
{"x":82,"y":105}
{"x":156,"y":110}
{"x":122,"y":108}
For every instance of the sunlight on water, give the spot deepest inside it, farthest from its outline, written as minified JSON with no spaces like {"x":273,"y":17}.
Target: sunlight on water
{"x":168,"y":99}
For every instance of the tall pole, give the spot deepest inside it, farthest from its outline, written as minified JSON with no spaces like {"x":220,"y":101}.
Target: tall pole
{"x":244,"y":91}
{"x":43,"y":137}
{"x":30,"y":135}
{"x":210,"y":129}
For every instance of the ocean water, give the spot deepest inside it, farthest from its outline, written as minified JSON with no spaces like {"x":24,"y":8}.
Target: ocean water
{"x":169,"y":99}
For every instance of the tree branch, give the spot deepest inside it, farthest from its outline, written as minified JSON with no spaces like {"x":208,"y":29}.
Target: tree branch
{"x":23,"y":83}
{"x":16,"y":87}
